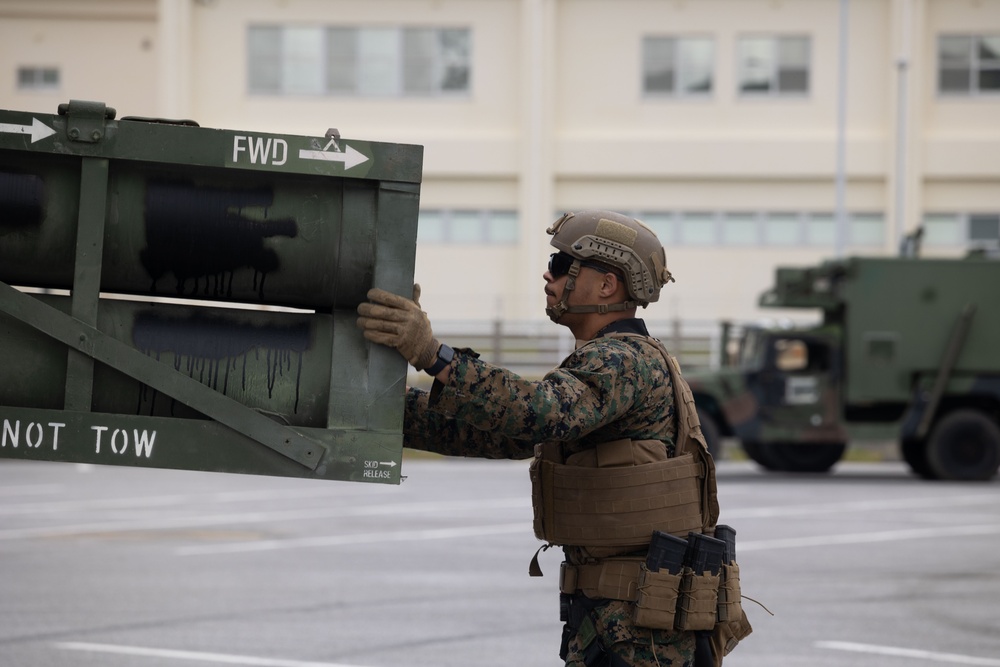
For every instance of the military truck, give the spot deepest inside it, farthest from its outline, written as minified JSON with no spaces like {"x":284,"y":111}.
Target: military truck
{"x":906,"y":349}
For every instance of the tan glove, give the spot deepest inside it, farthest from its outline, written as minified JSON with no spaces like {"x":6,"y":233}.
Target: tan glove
{"x":395,"y":321}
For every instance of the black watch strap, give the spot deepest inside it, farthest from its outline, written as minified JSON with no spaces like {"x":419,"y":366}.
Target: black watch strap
{"x":444,"y":357}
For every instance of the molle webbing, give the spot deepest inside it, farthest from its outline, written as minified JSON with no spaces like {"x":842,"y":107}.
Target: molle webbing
{"x":617,"y":506}
{"x":611,"y":578}
{"x":689,"y":438}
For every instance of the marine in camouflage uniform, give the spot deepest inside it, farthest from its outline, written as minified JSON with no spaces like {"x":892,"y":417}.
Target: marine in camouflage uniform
{"x":609,"y":388}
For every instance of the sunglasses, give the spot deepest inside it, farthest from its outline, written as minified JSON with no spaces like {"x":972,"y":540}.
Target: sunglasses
{"x":560,"y":262}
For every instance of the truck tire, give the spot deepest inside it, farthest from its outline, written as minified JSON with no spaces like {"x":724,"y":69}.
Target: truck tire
{"x":914,"y":452}
{"x":760,"y":454}
{"x":818,"y":457}
{"x":964,"y":445}
{"x":710,"y":430}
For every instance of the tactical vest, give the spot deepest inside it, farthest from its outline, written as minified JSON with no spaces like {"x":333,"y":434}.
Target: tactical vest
{"x":617,"y":494}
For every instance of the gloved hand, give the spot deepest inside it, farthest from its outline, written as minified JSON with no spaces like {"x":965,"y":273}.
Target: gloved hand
{"x":395,"y":321}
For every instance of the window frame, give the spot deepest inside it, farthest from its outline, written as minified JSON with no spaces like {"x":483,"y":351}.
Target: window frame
{"x":679,"y":60}
{"x":38,"y":77}
{"x":774,"y":75}
{"x":975,"y":67}
{"x":354,"y":72}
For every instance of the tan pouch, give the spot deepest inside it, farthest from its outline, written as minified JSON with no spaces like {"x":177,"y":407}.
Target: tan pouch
{"x":656,"y":604}
{"x":730,"y":607}
{"x":727,"y":635}
{"x":697,"y":601}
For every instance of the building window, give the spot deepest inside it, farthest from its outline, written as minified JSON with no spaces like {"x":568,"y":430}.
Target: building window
{"x":973,"y":230}
{"x":866,"y":229}
{"x":677,"y":66}
{"x":943,"y":230}
{"x":698,"y":229}
{"x":740,"y":229}
{"x":773,"y":65}
{"x":662,"y":225}
{"x":984,"y":230}
{"x":37,"y":78}
{"x":469,"y":227}
{"x":968,"y":64}
{"x":377,"y":62}
{"x":782,"y":229}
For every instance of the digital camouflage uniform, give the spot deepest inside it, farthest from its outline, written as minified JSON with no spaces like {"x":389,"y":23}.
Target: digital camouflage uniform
{"x":608,"y":389}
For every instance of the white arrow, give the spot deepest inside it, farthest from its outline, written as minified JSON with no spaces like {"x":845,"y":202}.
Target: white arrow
{"x":391,"y":464}
{"x":37,"y":129}
{"x":350,"y":157}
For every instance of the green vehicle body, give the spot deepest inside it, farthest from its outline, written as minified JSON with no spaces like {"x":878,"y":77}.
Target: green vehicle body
{"x":183,"y":297}
{"x":907,"y":349}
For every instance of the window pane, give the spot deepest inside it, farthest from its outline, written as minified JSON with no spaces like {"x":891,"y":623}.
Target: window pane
{"x":456,"y":58}
{"x":430,"y":227}
{"x":341,"y":60}
{"x":756,"y":56}
{"x":466,"y":227}
{"x":697,"y":229}
{"x":694,"y":73}
{"x":989,"y":50}
{"x":866,"y":229}
{"x":793,"y":81}
{"x":264,"y":51}
{"x":943,"y":230}
{"x":302,"y":60}
{"x":662,"y":225}
{"x":502,"y":227}
{"x":419,"y":50}
{"x":956,"y":81}
{"x":658,"y":64}
{"x":739,"y":229}
{"x":955,"y":51}
{"x":821,"y":229}
{"x":782,"y":229}
{"x":793,"y":52}
{"x":50,"y":77}
{"x":989,"y":80}
{"x":378,"y":55}
{"x":984,"y":227}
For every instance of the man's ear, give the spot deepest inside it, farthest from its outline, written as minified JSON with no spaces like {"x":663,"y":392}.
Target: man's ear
{"x":610,"y":284}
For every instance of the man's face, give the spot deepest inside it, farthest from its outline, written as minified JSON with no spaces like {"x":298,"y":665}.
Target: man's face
{"x":586,"y":289}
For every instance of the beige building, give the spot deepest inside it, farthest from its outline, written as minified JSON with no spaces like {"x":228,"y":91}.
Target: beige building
{"x":741,"y":130}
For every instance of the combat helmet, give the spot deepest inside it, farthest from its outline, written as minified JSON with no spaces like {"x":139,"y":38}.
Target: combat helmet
{"x":615,"y":241}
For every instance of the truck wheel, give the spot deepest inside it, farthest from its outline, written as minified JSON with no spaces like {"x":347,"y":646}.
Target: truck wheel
{"x":915,"y":454}
{"x":964,"y":445}
{"x":807,"y":457}
{"x":710,"y":430}
{"x":760,"y":454}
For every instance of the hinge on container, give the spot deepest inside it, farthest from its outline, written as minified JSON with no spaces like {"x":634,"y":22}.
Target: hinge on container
{"x":86,"y":120}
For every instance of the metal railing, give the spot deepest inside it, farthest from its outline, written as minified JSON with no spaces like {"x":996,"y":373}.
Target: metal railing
{"x":533,"y":347}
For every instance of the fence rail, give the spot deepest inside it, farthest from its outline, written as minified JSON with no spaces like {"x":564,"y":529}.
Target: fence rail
{"x":532,"y":347}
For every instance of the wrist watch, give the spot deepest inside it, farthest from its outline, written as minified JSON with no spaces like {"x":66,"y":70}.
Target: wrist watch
{"x":444,"y":356}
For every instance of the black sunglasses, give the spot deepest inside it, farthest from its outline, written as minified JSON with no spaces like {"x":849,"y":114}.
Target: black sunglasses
{"x":559,"y":263}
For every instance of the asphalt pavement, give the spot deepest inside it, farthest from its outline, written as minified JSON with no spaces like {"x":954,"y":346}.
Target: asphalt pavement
{"x":107,"y":566}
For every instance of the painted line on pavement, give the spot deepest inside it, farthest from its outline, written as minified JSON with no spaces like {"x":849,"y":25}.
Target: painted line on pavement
{"x":928,"y":501}
{"x":361,"y":538}
{"x":867,"y":538}
{"x":198,"y":656}
{"x":913,"y":654}
{"x":278,"y":516}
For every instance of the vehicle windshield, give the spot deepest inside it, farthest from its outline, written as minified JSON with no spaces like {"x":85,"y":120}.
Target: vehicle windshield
{"x":753,"y":350}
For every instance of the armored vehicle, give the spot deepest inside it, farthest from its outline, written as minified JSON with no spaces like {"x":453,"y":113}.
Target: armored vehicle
{"x":907,"y":347}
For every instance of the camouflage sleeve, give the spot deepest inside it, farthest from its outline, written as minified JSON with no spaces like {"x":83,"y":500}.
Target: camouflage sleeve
{"x":433,"y":432}
{"x":489,"y":411}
